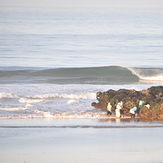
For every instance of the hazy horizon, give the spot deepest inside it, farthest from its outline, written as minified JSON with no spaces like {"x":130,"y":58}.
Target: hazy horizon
{"x":84,"y":3}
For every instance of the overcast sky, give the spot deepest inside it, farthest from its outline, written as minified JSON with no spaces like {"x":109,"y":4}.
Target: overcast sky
{"x":85,"y":3}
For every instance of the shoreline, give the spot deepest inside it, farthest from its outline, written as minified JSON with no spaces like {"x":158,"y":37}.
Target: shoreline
{"x":110,"y":122}
{"x":96,"y":127}
{"x":33,"y":143}
{"x":88,"y":115}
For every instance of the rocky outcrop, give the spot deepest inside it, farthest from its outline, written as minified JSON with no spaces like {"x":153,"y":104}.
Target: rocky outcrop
{"x":130,"y":98}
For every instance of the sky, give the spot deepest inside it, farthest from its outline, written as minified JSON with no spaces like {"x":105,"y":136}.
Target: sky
{"x":85,"y":3}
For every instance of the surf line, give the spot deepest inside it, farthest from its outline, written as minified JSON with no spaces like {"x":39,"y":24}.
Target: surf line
{"x":82,"y":126}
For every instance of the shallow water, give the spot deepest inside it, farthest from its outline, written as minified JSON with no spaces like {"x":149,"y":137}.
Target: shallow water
{"x":79,"y":123}
{"x":27,"y":144}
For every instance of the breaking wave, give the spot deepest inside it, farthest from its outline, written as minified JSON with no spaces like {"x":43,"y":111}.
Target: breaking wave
{"x":12,"y":109}
{"x":149,"y":74}
{"x":87,"y":75}
{"x":47,"y":114}
{"x":87,"y":95}
{"x":6,"y":95}
{"x":25,"y":100}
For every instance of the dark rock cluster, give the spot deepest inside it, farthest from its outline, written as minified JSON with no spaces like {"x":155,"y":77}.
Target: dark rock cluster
{"x":130,"y":98}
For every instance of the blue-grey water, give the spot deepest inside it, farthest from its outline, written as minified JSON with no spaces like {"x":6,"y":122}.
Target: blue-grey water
{"x":59,"y":37}
{"x":54,"y":60}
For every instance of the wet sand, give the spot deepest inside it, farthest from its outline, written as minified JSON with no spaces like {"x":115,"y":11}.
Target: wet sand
{"x":78,"y":144}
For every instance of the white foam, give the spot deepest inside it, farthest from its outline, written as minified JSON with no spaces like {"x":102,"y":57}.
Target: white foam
{"x":25,"y":100}
{"x":89,"y":115}
{"x":14,"y":109}
{"x":153,"y":78}
{"x":158,"y":77}
{"x":44,"y":96}
{"x":72,"y":101}
{"x":44,"y":114}
{"x":17,"y":108}
{"x":69,"y":96}
{"x":5,"y":95}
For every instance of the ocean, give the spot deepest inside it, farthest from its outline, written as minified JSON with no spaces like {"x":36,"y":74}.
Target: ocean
{"x":53,"y":61}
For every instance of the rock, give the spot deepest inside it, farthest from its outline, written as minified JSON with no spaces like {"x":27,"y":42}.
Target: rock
{"x":130,"y":98}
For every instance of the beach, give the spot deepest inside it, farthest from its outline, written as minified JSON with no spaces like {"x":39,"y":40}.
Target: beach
{"x":41,"y":140}
{"x":53,"y":61}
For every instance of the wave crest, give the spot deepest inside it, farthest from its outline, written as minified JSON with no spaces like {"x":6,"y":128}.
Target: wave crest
{"x":149,"y":74}
{"x":6,"y":95}
{"x":87,"y":95}
{"x":109,"y":75}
